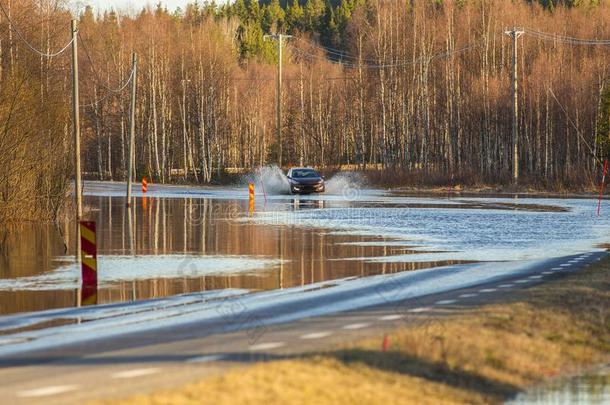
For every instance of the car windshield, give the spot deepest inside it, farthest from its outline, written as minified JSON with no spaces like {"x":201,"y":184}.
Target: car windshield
{"x":304,"y":173}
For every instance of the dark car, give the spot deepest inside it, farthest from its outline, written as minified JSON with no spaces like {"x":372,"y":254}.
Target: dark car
{"x":305,"y":180}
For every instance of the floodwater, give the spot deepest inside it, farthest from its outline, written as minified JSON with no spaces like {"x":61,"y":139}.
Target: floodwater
{"x":181,"y":240}
{"x":589,"y":389}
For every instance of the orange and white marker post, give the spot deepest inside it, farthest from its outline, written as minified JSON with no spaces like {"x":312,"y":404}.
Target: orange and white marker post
{"x":88,"y":263}
{"x":144,"y":185}
{"x":251,"y":193}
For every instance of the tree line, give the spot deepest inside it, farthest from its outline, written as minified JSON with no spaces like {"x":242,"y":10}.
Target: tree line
{"x":415,"y":87}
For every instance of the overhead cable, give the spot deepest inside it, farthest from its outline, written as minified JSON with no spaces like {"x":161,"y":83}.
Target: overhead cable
{"x":27,"y":43}
{"x":96,"y":74}
{"x":545,"y":36}
{"x":419,"y":60}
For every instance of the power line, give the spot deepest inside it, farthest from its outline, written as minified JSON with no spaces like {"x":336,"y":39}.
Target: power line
{"x":578,"y":132}
{"x":99,"y":100}
{"x":545,"y":36}
{"x":419,"y":60}
{"x":337,"y":52}
{"x":96,"y":74}
{"x":113,"y":92}
{"x":25,"y":41}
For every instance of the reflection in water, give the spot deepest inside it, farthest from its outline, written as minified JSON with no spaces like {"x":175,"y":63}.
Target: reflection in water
{"x":589,"y":389}
{"x":264,"y":257}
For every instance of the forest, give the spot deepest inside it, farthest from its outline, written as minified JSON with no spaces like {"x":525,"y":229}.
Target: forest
{"x":415,"y":90}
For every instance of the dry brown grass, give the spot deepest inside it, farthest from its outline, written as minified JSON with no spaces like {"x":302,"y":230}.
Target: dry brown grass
{"x":483,"y":356}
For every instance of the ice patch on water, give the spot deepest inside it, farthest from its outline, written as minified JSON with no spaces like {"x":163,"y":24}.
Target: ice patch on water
{"x":115,"y":269}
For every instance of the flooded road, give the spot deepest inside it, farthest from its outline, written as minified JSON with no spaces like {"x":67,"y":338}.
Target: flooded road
{"x":179,"y":240}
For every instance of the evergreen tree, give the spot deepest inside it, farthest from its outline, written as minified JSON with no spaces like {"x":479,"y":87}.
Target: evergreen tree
{"x":273,"y":20}
{"x":294,"y":16}
{"x":329,"y":29}
{"x":313,"y":14}
{"x":255,"y":12}
{"x":240,"y":10}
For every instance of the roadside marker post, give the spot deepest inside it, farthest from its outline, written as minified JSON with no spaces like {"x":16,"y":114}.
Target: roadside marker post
{"x":386,"y":343}
{"x":251,"y":191}
{"x":251,"y":194}
{"x":144,"y":185}
{"x":88,"y":263}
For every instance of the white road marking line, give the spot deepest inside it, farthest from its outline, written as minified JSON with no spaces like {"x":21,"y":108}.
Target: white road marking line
{"x":556,"y":268}
{"x":390,"y":317}
{"x":315,"y":335}
{"x":468,"y":295}
{"x":354,"y":326}
{"x":138,"y":372}
{"x":565,"y":265}
{"x":547,"y":272}
{"x":266,"y":346}
{"x":46,"y":391}
{"x":420,"y":309}
{"x":206,"y":359}
{"x":445,"y":302}
{"x":487,"y":290}
{"x":522,"y":281}
{"x":506,"y":285}
{"x":534,"y":277}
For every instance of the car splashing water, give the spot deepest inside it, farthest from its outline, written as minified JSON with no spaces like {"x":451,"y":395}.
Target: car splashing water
{"x":275,"y":182}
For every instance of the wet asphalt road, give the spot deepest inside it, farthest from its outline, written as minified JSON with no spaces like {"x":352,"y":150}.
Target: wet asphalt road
{"x":165,"y":358}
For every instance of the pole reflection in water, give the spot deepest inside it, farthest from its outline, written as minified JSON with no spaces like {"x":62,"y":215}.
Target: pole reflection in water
{"x":163,"y":247}
{"x":130,"y":236}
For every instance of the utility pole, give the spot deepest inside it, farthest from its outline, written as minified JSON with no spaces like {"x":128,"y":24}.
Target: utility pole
{"x":279,"y":38}
{"x":132,"y":125}
{"x":76,"y":130}
{"x":515,"y":34}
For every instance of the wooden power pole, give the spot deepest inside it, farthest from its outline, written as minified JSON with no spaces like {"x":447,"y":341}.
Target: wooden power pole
{"x":515,"y":34}
{"x":279,"y":38}
{"x":76,"y":130}
{"x":132,"y":125}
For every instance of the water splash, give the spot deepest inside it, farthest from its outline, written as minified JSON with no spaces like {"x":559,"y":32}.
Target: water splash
{"x":271,"y":177}
{"x":347,"y":184}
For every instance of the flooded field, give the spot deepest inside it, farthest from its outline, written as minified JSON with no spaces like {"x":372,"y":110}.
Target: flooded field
{"x":590,"y":389}
{"x":180,"y":240}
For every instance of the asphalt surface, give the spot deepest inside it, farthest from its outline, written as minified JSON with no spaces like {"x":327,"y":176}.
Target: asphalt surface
{"x":161,"y":358}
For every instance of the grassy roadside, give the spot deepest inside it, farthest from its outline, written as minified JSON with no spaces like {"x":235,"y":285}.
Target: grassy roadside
{"x":483,"y":356}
